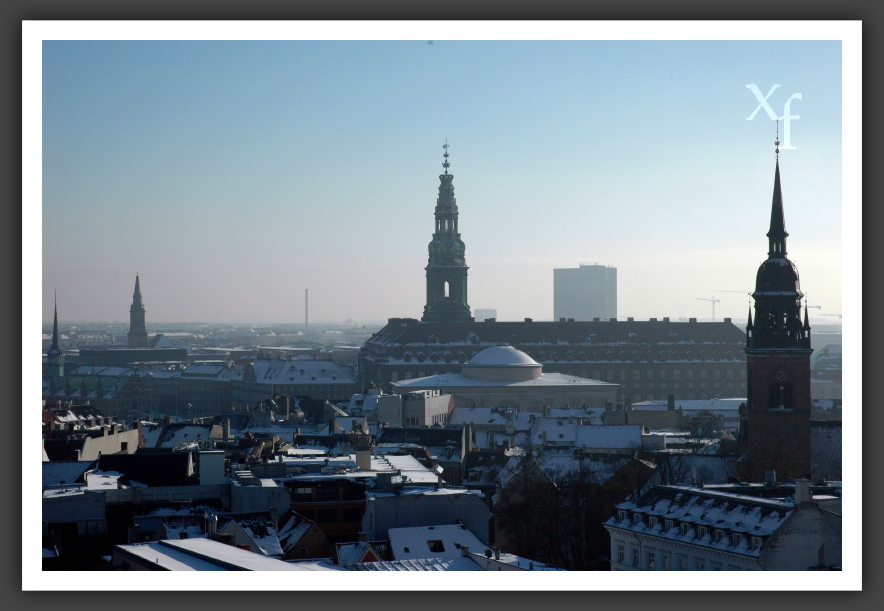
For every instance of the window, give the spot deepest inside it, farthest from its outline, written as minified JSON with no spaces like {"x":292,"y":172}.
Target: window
{"x":667,"y":562}
{"x":622,"y":375}
{"x":650,"y":375}
{"x":621,"y":553}
{"x":124,"y":446}
{"x":719,"y":535}
{"x":702,"y":531}
{"x":436,"y":546}
{"x":634,"y":556}
{"x":637,"y":519}
{"x":689,"y":374}
{"x":663,"y":374}
{"x":730,"y":374}
{"x":651,"y":561}
{"x":702,"y":374}
{"x":636,"y":375}
{"x":652,"y":521}
{"x":736,"y":539}
{"x":303,"y":551}
{"x":699,"y":565}
{"x":676,"y":374}
{"x":621,"y":514}
{"x":685,"y":530}
{"x":595,"y":374}
{"x":716,"y":374}
{"x":682,"y":564}
{"x":667,"y":525}
{"x":755,"y":542}
{"x":742,"y":374}
{"x":610,"y":374}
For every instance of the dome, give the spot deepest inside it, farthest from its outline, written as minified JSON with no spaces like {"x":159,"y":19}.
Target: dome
{"x":777,"y":275}
{"x":502,"y":356}
{"x":502,"y":364}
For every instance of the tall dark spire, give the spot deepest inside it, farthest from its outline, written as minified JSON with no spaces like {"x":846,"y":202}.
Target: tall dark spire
{"x":446,"y":268}
{"x":777,"y":234}
{"x":55,"y":356}
{"x":137,"y":328}
{"x":54,"y":347}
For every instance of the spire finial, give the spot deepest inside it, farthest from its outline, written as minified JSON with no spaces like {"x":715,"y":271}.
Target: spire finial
{"x":445,"y":163}
{"x":777,"y":141}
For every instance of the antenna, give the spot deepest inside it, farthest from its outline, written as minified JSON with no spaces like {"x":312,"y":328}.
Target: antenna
{"x":445,"y":163}
{"x":777,"y":141}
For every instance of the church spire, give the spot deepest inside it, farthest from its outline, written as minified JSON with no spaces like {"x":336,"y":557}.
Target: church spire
{"x":446,"y":268}
{"x":55,"y":347}
{"x":137,"y":328}
{"x":777,"y":233}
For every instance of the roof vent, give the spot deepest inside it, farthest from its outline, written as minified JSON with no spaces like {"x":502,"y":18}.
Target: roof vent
{"x":692,"y":320}
{"x":528,"y":320}
{"x":630,"y":319}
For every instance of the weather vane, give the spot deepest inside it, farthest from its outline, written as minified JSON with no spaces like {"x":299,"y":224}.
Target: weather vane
{"x":445,"y":163}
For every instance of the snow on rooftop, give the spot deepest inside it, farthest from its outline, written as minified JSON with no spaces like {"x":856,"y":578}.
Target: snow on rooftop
{"x":443,"y":541}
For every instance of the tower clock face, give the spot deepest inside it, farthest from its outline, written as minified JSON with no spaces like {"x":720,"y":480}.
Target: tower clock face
{"x":782,"y":376}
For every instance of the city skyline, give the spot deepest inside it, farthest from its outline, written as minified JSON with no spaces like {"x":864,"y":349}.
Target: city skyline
{"x":637,"y":155}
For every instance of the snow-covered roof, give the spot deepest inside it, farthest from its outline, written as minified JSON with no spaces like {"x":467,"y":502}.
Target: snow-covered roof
{"x":443,"y":541}
{"x":711,"y":508}
{"x":458,"y":380}
{"x":203,"y":554}
{"x":502,"y":356}
{"x":102,"y":480}
{"x":169,"y":436}
{"x":460,"y":563}
{"x":273,"y":371}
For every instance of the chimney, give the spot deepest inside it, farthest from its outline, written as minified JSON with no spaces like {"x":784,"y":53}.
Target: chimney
{"x":464,"y":551}
{"x":227,"y":429}
{"x":802,"y":491}
{"x":363,"y":460}
{"x":670,"y":402}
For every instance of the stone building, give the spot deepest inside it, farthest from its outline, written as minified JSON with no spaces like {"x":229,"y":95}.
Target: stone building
{"x":648,"y":359}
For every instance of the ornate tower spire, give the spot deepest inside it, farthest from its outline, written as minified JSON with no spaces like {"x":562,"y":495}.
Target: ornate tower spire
{"x":446,"y":268}
{"x":137,"y":327}
{"x":777,"y":426}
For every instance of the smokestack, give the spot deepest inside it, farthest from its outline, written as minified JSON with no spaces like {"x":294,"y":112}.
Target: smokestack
{"x":306,"y":303}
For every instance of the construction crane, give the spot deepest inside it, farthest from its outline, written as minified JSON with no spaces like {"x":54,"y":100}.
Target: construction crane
{"x":714,"y":301}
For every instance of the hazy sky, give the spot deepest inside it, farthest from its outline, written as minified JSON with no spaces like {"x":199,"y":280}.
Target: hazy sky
{"x":233,"y":175}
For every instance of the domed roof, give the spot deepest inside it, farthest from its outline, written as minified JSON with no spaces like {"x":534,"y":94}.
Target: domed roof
{"x":502,"y":356}
{"x":776,"y":275}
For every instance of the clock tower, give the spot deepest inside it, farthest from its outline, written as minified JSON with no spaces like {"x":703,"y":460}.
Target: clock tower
{"x":776,"y":423}
{"x":447,"y":268}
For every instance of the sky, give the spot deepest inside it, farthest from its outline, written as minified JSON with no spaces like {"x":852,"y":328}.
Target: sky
{"x":234,"y":175}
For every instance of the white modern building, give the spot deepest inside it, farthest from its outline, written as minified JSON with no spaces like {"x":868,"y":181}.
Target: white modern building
{"x":585,"y":293}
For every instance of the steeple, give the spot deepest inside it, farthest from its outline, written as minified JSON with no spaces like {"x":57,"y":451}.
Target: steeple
{"x":777,"y":234}
{"x":55,"y":356}
{"x":54,"y":347}
{"x":446,"y":268}
{"x":137,"y":328}
{"x":776,"y":431}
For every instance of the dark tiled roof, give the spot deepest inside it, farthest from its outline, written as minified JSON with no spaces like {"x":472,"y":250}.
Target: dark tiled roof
{"x":421,"y":436}
{"x":602,"y":333}
{"x":152,"y":469}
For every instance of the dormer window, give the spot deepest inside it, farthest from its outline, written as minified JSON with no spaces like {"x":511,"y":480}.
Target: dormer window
{"x":667,"y":525}
{"x":736,"y":539}
{"x":652,"y":521}
{"x":685,"y":530}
